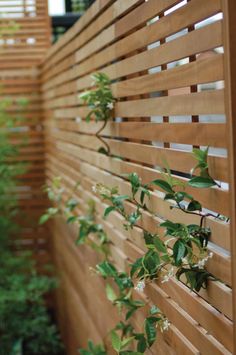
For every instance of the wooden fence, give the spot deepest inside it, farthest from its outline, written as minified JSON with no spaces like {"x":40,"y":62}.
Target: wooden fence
{"x":170,"y":63}
{"x":24,"y":40}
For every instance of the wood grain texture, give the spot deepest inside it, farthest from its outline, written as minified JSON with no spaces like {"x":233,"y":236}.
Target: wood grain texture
{"x":147,"y":49}
{"x":21,"y":51}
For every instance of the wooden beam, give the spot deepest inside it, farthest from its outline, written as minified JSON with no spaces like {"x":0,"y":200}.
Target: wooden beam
{"x":229,"y":10}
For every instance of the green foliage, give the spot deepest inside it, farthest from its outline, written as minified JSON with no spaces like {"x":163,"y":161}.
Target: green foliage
{"x":24,"y":321}
{"x":8,"y":29}
{"x":55,"y":194}
{"x":195,"y":277}
{"x":9,"y":170}
{"x":89,"y":232}
{"x":123,"y":299}
{"x":80,"y":5}
{"x":119,"y":286}
{"x":188,"y":252}
{"x":204,"y":180}
{"x":25,"y":325}
{"x":100,"y":101}
{"x":93,"y":349}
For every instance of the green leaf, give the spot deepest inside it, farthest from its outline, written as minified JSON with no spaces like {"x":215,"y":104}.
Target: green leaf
{"x":142,"y":344}
{"x":84,"y":96}
{"x":150,"y":330}
{"x":148,"y":237}
{"x":17,"y":348}
{"x":93,"y":349}
{"x":115,"y":341}
{"x":71,"y":204}
{"x":196,"y":278}
{"x":179,"y":250}
{"x":169,"y":197}
{"x":181,"y":195}
{"x":71,"y":219}
{"x":201,"y":154}
{"x":164,"y":185}
{"x":103,"y":150}
{"x":172,"y":228}
{"x":134,"y":217}
{"x":88,"y":117}
{"x":201,"y":182}
{"x":111,"y":295}
{"x":160,"y":246}
{"x":106,"y":269}
{"x":144,"y":192}
{"x":151,"y":261}
{"x":44,"y":218}
{"x":135,"y":182}
{"x":52,"y":211}
{"x":135,"y":266}
{"x":84,"y":352}
{"x":120,"y":198}
{"x":130,"y":313}
{"x":138,"y":303}
{"x":191,"y":279}
{"x":108,"y":210}
{"x":125,"y":342}
{"x":154,"y":310}
{"x":194,"y":206}
{"x":165,"y":258}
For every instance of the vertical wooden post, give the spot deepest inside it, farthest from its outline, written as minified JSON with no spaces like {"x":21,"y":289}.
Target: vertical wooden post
{"x":229,"y":28}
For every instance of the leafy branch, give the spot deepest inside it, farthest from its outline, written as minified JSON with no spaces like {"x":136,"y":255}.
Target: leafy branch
{"x":182,"y":251}
{"x":101,"y":103}
{"x":123,"y":335}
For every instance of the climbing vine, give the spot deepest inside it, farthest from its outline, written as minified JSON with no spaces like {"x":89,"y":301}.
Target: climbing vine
{"x":101,"y":103}
{"x":181,"y":251}
{"x":122,"y":296}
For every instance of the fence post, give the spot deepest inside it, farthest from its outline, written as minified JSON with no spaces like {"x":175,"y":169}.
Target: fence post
{"x":229,"y":27}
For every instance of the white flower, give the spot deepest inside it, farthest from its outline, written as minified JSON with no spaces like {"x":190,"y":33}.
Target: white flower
{"x":165,"y":325}
{"x":110,"y":105}
{"x":184,"y":260}
{"x":140,"y":286}
{"x":102,"y":189}
{"x":97,"y":103}
{"x":201,"y":263}
{"x":167,"y":277}
{"x":94,"y":189}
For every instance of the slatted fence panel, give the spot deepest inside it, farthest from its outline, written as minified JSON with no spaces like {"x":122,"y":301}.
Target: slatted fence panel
{"x":24,"y":40}
{"x":166,"y":60}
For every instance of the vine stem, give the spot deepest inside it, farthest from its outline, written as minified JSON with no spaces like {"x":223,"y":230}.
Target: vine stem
{"x":97,"y":134}
{"x":201,"y":215}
